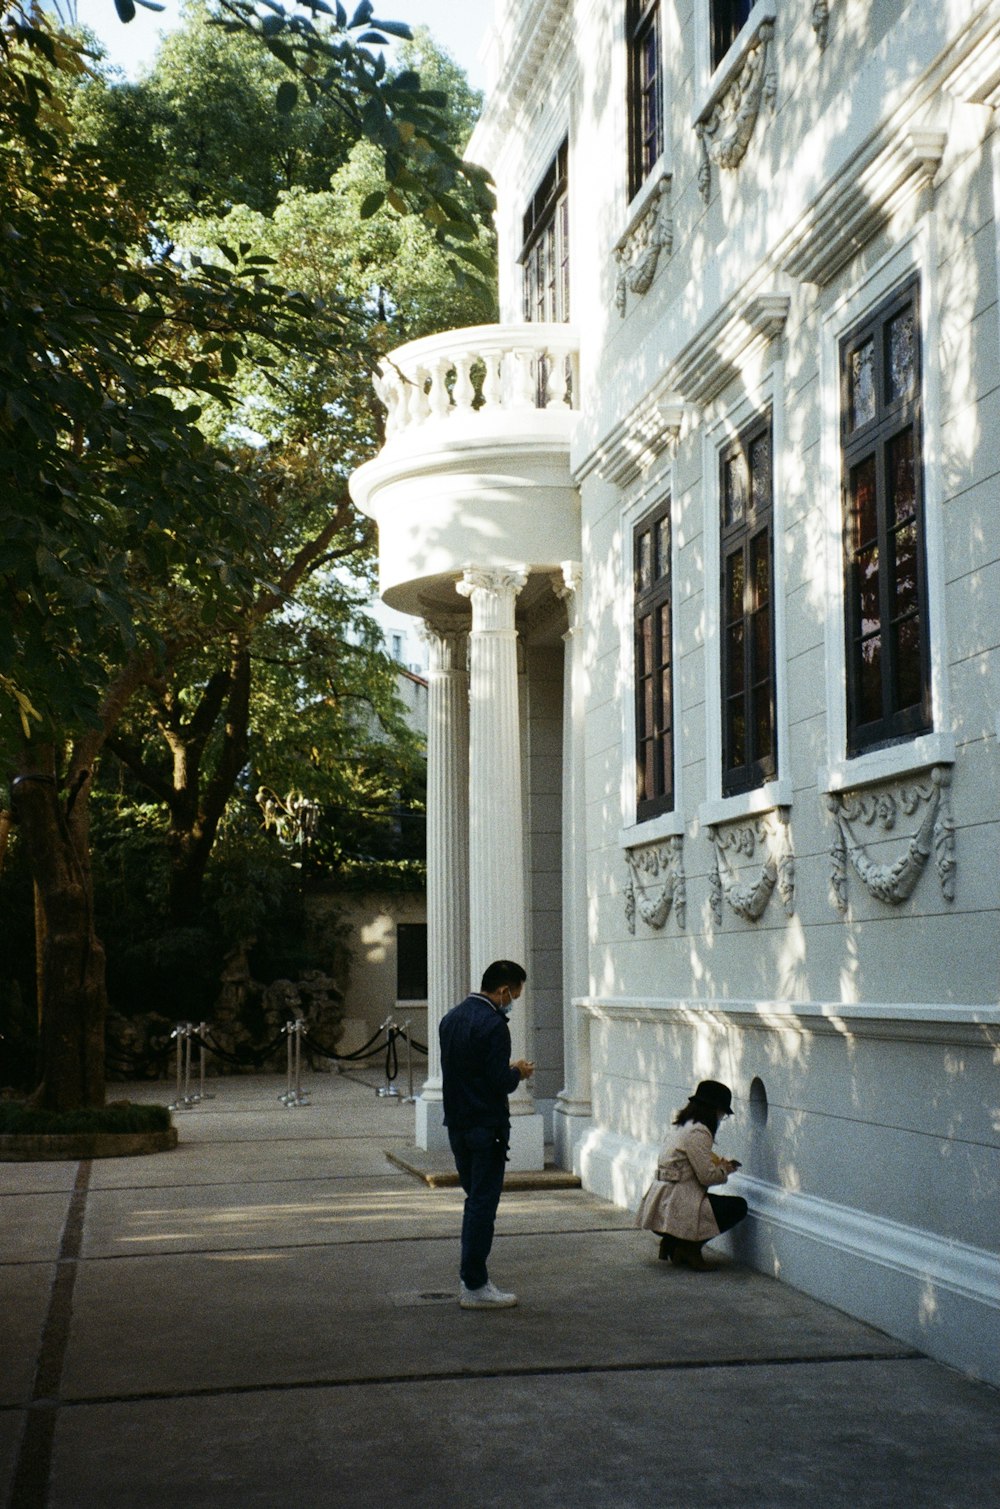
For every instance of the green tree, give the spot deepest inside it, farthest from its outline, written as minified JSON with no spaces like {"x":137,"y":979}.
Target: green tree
{"x":127,"y":527}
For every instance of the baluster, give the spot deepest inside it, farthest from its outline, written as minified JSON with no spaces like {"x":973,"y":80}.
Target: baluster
{"x":522,"y":380}
{"x":387,"y":389}
{"x":464,"y":392}
{"x":492,"y":382}
{"x":419,"y":407}
{"x":555,"y":388}
{"x":439,"y":400}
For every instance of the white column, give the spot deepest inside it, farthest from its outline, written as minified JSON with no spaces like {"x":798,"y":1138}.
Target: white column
{"x":574,"y":1100}
{"x":497,"y":890}
{"x":448,"y":978}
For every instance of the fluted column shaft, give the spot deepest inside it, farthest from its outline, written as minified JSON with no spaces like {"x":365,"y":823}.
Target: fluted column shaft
{"x":574,"y":1099}
{"x":447,"y":855}
{"x":497,"y":900}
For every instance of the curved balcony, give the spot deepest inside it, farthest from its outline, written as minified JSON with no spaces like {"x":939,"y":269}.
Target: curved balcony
{"x":475,"y":467}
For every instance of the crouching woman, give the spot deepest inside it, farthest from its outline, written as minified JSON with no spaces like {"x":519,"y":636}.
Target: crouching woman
{"x":679,"y":1205}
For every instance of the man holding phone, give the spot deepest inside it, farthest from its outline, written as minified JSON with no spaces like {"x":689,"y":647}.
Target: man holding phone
{"x":477,"y":1077}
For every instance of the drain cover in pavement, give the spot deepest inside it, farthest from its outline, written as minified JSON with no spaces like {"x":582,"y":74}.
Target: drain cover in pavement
{"x":424,"y":1297}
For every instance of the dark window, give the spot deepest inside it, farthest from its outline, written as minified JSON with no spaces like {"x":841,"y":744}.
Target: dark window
{"x":749,"y":728}
{"x":545,"y":248}
{"x":411,"y":961}
{"x":885,"y":578}
{"x":645,"y":90}
{"x":654,"y":674}
{"x":728,"y":19}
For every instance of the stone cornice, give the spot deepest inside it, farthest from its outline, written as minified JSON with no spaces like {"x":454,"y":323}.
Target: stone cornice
{"x":534,"y":32}
{"x":969,"y":1025}
{"x":635,"y":444}
{"x":854,"y":207}
{"x":725,"y":345}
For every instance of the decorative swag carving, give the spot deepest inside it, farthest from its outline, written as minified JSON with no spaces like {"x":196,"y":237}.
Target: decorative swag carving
{"x":894,"y":882}
{"x":638,"y":251}
{"x":725,"y":131}
{"x":647,"y":865}
{"x":749,"y":898}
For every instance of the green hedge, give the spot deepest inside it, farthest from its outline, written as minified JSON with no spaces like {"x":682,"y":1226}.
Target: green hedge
{"x":17,"y":1119}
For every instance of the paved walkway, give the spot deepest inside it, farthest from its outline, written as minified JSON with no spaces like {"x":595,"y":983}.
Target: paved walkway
{"x":267,"y":1315}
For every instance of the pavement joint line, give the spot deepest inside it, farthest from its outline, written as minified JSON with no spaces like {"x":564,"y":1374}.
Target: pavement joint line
{"x":474,"y":1375}
{"x":129,"y":1189}
{"x":30,"y":1480}
{"x":257,"y":1247}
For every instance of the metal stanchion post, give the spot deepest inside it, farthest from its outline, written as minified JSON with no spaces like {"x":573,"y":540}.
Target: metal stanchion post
{"x":178,"y":1031}
{"x":293,"y":1095}
{"x":388,"y":1089}
{"x":189,"y":1099}
{"x":409,"y":1099}
{"x":300,"y":1099}
{"x":287,"y":1097}
{"x":182,"y":1032}
{"x":201,"y":1029}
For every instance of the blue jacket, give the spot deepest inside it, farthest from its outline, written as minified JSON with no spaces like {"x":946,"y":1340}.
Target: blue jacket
{"x":475,"y":1065}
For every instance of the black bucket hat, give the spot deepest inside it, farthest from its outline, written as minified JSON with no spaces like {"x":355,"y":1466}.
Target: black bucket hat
{"x":714,"y":1094}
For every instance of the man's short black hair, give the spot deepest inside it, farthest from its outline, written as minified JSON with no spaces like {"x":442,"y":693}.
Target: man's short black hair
{"x":502,"y":972}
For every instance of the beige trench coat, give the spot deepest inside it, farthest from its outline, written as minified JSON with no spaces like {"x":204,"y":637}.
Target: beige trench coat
{"x":677,"y":1199}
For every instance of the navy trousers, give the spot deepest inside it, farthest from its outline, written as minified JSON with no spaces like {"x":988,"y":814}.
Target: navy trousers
{"x":480,"y":1157}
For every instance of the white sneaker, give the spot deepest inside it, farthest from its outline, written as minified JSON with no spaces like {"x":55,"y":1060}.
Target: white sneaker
{"x":489,"y":1297}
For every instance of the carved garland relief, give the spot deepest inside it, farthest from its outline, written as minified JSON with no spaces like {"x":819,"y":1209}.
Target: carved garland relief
{"x":894,"y":882}
{"x":660,"y":866}
{"x":638,"y":252}
{"x":771,"y":835}
{"x":726,"y":129}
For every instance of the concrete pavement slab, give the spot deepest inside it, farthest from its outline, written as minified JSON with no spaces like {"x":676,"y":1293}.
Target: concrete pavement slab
{"x":882,"y":1435}
{"x":219,"y":1217}
{"x":31,"y":1225}
{"x":225,"y":1217}
{"x":11,"y":1431}
{"x":247,"y":1162}
{"x":25,"y":1290}
{"x":35,"y":1178}
{"x":368,"y":1311}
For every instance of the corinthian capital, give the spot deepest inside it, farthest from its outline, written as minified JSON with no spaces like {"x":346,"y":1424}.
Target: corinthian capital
{"x":493,"y":594}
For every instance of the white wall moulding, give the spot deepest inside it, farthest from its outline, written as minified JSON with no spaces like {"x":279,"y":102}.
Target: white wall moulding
{"x":894,"y":881}
{"x":727,"y":344}
{"x":726,"y":123}
{"x":748,"y":895}
{"x":648,"y":236}
{"x":940,"y":1024}
{"x":656,"y":883}
{"x":902,"y":1276}
{"x":651,"y":429}
{"x":855,"y":205}
{"x":517,"y":47}
{"x":463,"y":374}
{"x":975,"y":72}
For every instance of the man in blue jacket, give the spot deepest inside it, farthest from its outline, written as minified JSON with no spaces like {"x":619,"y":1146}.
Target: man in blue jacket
{"x":477,"y":1076}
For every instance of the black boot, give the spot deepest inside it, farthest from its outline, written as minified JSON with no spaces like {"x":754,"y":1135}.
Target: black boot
{"x":666,"y":1248}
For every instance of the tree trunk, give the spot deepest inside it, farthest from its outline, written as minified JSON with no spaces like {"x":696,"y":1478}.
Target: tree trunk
{"x":72,"y":987}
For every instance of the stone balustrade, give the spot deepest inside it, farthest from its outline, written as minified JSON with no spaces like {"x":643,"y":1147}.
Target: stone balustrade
{"x":462,"y":374}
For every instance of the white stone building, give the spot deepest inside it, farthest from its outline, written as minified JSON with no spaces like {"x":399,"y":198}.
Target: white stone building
{"x":707,"y":534}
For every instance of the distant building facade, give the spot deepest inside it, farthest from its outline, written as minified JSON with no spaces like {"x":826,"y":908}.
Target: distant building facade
{"x":706,"y":539}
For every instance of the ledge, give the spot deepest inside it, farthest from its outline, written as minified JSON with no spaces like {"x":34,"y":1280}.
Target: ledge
{"x":70,"y":1147}
{"x":970,"y":1026}
{"x":895,"y":763}
{"x":860,"y":200}
{"x":735,"y":809}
